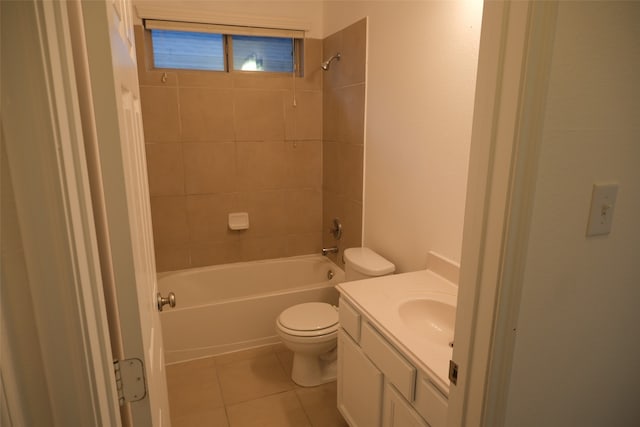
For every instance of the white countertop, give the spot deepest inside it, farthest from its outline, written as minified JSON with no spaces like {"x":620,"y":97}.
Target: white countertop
{"x":379,"y":298}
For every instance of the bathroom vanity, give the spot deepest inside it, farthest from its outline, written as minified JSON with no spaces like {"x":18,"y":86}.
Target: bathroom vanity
{"x":394,"y":347}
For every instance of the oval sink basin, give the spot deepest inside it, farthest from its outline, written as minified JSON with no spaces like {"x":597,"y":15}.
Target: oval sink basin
{"x":432,"y":318}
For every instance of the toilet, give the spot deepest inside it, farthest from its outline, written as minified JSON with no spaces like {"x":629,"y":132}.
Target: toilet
{"x":310,"y":329}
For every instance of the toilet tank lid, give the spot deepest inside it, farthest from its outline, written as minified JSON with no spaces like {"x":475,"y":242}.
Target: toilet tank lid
{"x":366,"y":261}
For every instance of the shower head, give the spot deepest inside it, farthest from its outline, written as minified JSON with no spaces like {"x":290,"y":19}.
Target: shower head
{"x":326,"y":64}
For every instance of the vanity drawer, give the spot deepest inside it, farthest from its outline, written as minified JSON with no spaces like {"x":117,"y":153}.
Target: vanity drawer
{"x":393,"y":365}
{"x":349,"y":319}
{"x":430,"y":403}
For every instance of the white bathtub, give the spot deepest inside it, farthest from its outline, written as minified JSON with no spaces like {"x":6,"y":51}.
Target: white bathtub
{"x":233,"y":307}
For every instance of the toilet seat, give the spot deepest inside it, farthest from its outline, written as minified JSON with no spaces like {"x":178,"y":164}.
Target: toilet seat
{"x":309,"y":319}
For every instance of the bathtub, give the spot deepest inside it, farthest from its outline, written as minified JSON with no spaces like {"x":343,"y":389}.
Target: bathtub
{"x":231,"y":307}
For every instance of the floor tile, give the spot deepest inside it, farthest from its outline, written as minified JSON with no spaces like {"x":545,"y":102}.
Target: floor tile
{"x":256,"y":387}
{"x":319,"y":403}
{"x":279,"y":410}
{"x":286,"y":360}
{"x":216,"y":417}
{"x":253,"y":378}
{"x":193,"y":388}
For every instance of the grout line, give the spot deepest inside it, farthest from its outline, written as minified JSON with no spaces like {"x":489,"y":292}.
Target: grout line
{"x":304,"y":410}
{"x":274,"y":351}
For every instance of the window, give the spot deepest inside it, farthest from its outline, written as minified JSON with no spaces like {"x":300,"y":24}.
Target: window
{"x":263,"y":54}
{"x":191,"y":51}
{"x":224,"y":48}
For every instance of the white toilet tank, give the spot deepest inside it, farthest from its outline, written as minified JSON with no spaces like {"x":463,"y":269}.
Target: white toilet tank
{"x":363,"y":263}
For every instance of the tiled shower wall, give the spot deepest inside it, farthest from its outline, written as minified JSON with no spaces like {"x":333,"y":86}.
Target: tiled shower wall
{"x":232,"y":142}
{"x":343,"y":135}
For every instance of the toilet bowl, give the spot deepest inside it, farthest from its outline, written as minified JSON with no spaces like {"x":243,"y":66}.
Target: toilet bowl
{"x":310,"y":330}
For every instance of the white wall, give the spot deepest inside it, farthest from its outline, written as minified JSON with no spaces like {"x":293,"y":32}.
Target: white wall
{"x":577,"y":346}
{"x":301,"y":14}
{"x":422,"y":59}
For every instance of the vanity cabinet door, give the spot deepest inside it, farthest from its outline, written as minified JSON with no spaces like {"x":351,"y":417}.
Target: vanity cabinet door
{"x":359,"y":385}
{"x":398,"y":412}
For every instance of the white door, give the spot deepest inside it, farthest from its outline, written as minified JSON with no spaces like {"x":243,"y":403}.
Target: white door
{"x":55,"y":354}
{"x":113,"y":78}
{"x":515,"y":51}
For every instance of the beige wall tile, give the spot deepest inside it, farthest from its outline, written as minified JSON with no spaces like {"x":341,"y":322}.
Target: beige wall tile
{"x":351,"y":114}
{"x":303,"y":164}
{"x":333,"y":206}
{"x":160,"y":114}
{"x":330,"y":46}
{"x":165,"y":169}
{"x":331,"y":114}
{"x":267,"y":212}
{"x":261,"y":165}
{"x":354,"y":51}
{"x":331,"y":167}
{"x":172,"y":257}
{"x":304,"y":214}
{"x":222,"y":251}
{"x":343,"y":134}
{"x":352,"y":224}
{"x":312,"y":78}
{"x":206,"y":114}
{"x":158,"y":78}
{"x":351,"y":165}
{"x":258,"y":115}
{"x":282,"y":410}
{"x":304,"y":121}
{"x":265,"y":247}
{"x":233,"y":127}
{"x":169,"y":218}
{"x":208,"y":215}
{"x":262,"y":81}
{"x":209,"y":167}
{"x":304,"y":244}
{"x":205,"y":79}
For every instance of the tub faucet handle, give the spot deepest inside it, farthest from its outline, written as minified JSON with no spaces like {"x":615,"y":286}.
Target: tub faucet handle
{"x":336,"y":229}
{"x":162,"y":301}
{"x":327,"y":251}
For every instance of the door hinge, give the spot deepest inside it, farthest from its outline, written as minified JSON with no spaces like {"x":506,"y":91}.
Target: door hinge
{"x":130,"y":380}
{"x":453,"y":372}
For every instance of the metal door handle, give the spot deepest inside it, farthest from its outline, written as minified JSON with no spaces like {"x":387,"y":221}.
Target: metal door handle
{"x":162,"y":301}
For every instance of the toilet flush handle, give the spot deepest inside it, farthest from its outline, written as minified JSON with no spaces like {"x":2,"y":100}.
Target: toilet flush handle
{"x":162,"y":301}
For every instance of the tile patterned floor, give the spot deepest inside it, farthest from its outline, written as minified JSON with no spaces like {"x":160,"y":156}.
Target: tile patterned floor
{"x":248,"y":389}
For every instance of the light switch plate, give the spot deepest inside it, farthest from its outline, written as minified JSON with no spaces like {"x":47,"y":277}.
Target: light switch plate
{"x":603,"y":202}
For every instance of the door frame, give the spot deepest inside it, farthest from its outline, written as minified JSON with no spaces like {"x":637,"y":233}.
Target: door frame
{"x":516,"y":47}
{"x":515,"y":51}
{"x":66,"y":288}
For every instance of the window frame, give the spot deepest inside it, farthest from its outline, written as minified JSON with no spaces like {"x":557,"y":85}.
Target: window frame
{"x":227,"y":32}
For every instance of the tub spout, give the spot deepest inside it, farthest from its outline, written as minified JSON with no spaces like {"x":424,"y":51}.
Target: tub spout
{"x":327,"y":251}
